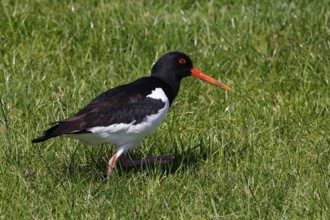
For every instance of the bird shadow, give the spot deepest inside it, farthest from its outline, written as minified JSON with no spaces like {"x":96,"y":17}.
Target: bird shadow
{"x":185,"y":158}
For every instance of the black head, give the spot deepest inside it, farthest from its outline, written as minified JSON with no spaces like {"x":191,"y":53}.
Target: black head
{"x":173,"y":65}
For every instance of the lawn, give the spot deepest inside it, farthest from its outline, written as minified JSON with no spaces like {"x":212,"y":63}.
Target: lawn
{"x":259,"y":152}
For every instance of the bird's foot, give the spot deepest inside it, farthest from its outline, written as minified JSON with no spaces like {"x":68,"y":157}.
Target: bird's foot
{"x":162,"y":159}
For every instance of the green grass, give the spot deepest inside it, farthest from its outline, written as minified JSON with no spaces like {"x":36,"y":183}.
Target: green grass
{"x":261,"y":151}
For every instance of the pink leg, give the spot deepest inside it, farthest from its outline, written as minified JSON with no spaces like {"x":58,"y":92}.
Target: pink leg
{"x":113,"y":160}
{"x":163,"y":159}
{"x":112,"y":163}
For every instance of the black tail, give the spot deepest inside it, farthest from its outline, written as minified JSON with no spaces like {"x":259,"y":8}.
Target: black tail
{"x":50,"y":133}
{"x":40,"y":139}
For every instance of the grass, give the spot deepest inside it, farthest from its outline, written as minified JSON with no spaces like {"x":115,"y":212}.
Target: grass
{"x":261,"y":151}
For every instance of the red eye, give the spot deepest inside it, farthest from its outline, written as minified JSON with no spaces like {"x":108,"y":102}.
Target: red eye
{"x":182,"y":61}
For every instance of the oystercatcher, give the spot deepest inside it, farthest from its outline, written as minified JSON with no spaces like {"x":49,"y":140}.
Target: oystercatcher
{"x":122,"y":116}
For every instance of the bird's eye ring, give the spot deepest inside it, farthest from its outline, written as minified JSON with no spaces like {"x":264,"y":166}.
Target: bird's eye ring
{"x":182,"y":61}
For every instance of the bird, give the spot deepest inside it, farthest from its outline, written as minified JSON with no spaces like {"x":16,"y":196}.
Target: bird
{"x":124,"y":115}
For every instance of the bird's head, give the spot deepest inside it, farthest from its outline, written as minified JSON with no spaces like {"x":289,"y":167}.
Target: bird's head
{"x":174,"y":66}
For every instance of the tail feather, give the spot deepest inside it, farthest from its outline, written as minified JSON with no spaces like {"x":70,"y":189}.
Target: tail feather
{"x":40,"y":139}
{"x":50,"y":133}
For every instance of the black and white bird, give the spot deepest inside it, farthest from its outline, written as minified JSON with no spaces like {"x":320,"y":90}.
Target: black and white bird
{"x":124,"y":115}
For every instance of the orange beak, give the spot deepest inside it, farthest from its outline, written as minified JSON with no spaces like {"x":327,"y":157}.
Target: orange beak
{"x":199,"y":74}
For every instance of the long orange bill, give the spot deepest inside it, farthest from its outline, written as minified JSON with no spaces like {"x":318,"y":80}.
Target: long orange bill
{"x":199,"y":74}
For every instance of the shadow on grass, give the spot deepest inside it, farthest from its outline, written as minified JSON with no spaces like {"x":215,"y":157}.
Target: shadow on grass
{"x":96,"y":161}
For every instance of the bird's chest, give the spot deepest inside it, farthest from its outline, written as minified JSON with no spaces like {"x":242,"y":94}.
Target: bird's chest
{"x":149,"y":122}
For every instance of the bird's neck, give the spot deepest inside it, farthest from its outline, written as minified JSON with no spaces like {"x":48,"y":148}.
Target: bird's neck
{"x":170,"y":86}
